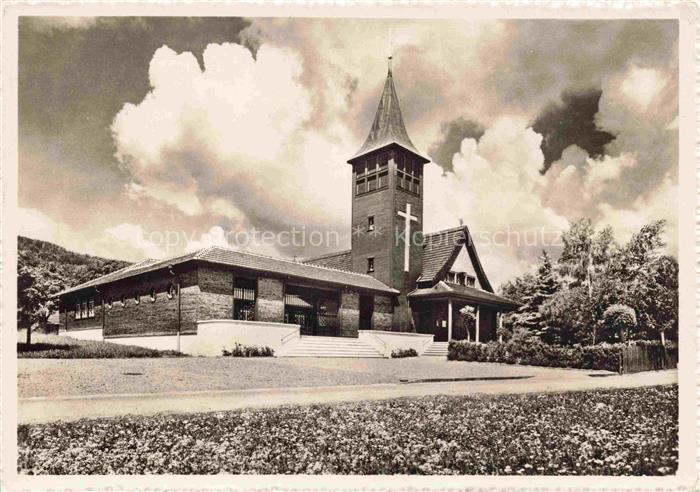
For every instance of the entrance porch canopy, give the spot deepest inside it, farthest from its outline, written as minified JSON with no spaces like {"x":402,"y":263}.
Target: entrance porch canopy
{"x":460,"y":295}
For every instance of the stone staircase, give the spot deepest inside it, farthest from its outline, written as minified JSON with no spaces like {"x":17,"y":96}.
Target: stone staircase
{"x":436,"y":349}
{"x":313,"y":346}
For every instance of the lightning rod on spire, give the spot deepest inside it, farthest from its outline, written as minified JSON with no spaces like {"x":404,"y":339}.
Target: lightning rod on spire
{"x":390,"y":51}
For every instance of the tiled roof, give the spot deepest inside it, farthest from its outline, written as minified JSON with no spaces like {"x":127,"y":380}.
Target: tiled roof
{"x":438,"y":248}
{"x":144,"y":266}
{"x":388,"y":126}
{"x":231,"y":257}
{"x":441,"y":248}
{"x":470,"y":294}
{"x":341,"y":260}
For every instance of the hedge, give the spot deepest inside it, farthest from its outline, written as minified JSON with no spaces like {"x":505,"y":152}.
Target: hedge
{"x":536,"y":353}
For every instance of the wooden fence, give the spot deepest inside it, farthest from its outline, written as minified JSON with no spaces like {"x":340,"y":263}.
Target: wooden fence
{"x":637,"y":358}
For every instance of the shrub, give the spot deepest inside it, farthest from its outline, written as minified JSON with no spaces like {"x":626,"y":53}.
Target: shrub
{"x":532,"y":351}
{"x":618,"y":322}
{"x":248,"y":351}
{"x":401,"y":353}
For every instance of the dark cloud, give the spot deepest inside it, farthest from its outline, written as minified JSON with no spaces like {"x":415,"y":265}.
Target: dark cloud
{"x":571,"y":123}
{"x":452,"y":134}
{"x":73,"y":79}
{"x":546,"y":56}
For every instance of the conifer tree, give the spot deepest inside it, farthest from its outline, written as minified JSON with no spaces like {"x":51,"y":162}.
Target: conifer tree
{"x":546,"y":285}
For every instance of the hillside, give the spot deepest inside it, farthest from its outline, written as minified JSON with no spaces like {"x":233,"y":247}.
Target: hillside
{"x":44,"y":268}
{"x":72,"y":268}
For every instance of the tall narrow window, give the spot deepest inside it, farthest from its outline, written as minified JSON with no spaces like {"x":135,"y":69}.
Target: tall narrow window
{"x":370,"y":264}
{"x":370,"y":223}
{"x":137,"y":297}
{"x":91,"y":308}
{"x":77,"y":311}
{"x":244,"y":293}
{"x":153,"y":294}
{"x":84,"y":310}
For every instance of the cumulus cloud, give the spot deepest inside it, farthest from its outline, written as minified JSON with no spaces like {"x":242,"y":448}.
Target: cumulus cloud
{"x":124,"y":241}
{"x":514,"y":211}
{"x":226,"y":139}
{"x":228,"y":142}
{"x":453,"y":133}
{"x":132,"y":241}
{"x":215,"y":237}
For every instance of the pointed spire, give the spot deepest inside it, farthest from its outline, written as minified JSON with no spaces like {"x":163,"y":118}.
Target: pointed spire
{"x":388,"y":126}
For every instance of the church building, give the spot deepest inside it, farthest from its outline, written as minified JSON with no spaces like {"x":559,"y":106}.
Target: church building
{"x":395,"y":288}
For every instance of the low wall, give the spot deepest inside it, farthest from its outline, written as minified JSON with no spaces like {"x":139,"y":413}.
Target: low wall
{"x":215,"y":335}
{"x":156,"y":342}
{"x":92,"y":334}
{"x":212,"y":336}
{"x":387,"y":341}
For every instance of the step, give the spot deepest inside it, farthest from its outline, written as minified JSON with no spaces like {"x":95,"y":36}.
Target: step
{"x":436,"y":349}
{"x":313,"y":346}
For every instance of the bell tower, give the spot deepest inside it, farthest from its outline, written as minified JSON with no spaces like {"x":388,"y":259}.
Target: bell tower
{"x":387,"y":204}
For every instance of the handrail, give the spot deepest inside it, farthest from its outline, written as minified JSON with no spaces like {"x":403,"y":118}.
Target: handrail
{"x":382,"y":341}
{"x":288,"y":337}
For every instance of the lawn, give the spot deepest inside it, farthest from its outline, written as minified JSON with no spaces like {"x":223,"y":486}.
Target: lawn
{"x":602,"y":432}
{"x":63,"y":347}
{"x":64,"y":377}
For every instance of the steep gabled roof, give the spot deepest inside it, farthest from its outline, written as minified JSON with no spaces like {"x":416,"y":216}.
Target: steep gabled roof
{"x":388,"y":126}
{"x":442,"y":290}
{"x":441,"y":249}
{"x":342,"y":260}
{"x":231,"y":257}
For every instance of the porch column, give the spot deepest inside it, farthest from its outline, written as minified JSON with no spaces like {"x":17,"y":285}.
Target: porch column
{"x":449,"y":320}
{"x":500,"y":326}
{"x":477,"y":323}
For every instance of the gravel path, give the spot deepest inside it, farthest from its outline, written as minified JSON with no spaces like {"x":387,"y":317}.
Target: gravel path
{"x":68,"y":377}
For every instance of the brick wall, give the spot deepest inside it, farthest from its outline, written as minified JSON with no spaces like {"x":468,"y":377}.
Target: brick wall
{"x":388,"y":247}
{"x":147,"y":317}
{"x":270,"y":300}
{"x":349,"y":314}
{"x":206,"y":292}
{"x":216,"y":293}
{"x":382,"y":315}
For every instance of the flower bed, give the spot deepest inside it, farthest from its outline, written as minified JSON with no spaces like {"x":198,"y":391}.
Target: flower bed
{"x":604,"y":432}
{"x":248,"y":351}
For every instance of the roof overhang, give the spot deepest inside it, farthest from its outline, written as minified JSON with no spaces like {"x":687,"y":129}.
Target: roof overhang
{"x":384,"y":146}
{"x":196,"y":258}
{"x":470,"y":295}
